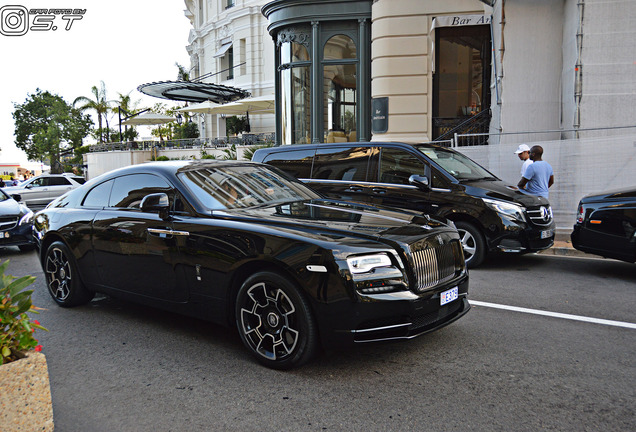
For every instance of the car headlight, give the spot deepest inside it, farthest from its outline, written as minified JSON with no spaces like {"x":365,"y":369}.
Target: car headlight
{"x":366,"y":263}
{"x":505,"y":209}
{"x":27,"y":218}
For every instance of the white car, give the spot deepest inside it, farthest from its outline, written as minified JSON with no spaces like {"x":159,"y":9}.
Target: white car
{"x":41,"y":190}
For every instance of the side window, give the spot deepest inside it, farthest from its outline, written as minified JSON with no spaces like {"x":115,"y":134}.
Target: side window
{"x":296,"y":163}
{"x":43,"y":181}
{"x":341,"y":163}
{"x":128,"y":191}
{"x":438,"y":180}
{"x":58,"y":181}
{"x":98,"y":196}
{"x":396,"y":166}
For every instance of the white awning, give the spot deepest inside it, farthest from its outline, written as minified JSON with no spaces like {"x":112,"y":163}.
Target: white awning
{"x":221,"y":52}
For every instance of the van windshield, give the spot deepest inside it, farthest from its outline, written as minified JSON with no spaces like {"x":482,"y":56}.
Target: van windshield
{"x":456,"y":164}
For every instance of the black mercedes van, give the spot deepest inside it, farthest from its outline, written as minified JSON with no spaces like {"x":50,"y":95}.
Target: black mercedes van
{"x":489,"y":214}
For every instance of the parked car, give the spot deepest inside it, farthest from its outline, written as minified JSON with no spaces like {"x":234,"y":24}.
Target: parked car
{"x":489,"y":214}
{"x":606,"y":224}
{"x":244,"y":244}
{"x":16,"y":221}
{"x":38,"y":191}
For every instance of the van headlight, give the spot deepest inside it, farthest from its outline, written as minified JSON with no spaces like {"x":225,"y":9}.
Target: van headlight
{"x":506,"y":209}
{"x":366,"y":263}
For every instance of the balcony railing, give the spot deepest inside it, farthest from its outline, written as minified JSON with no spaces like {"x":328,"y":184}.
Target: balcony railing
{"x":190,"y":143}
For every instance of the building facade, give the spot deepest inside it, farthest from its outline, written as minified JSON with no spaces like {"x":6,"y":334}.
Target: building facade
{"x":229,"y":45}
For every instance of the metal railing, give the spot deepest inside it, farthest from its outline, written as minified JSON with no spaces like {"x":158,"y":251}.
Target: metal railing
{"x":449,"y":128}
{"x":190,"y":143}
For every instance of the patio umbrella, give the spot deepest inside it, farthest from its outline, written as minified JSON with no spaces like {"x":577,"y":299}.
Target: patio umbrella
{"x":148,"y":119}
{"x":203,"y":107}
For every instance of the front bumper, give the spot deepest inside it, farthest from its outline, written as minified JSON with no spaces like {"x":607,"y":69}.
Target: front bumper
{"x":21,"y":235}
{"x":395,"y":316}
{"x":523,"y":237}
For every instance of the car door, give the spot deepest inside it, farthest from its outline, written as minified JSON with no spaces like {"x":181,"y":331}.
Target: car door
{"x":391,"y":185}
{"x":341,"y":172}
{"x":135,"y":251}
{"x":36,"y":193}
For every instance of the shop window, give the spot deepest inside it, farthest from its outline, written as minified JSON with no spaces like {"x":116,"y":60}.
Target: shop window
{"x":295,"y":78}
{"x":340,"y":89}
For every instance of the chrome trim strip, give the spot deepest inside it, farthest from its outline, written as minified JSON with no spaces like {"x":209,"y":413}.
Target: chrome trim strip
{"x":169,"y":232}
{"x":373,"y":184}
{"x":381,"y":328}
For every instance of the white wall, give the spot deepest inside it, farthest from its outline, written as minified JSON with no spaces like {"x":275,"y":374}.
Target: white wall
{"x":580,"y":168}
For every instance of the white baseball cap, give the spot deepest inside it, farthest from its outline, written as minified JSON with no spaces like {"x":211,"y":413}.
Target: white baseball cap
{"x":522,"y":148}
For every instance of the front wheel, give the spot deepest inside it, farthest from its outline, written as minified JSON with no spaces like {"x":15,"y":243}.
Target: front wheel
{"x":62,"y":278}
{"x":275,"y":321}
{"x":473,"y":243}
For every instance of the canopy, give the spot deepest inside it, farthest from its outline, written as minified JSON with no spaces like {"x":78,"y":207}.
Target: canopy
{"x":190,"y":91}
{"x":148,"y":119}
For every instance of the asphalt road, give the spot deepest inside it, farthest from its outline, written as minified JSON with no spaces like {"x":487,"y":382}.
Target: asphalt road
{"x":116,"y":366}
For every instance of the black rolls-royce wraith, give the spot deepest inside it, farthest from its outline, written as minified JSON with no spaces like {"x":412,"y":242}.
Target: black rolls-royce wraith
{"x":245,"y":244}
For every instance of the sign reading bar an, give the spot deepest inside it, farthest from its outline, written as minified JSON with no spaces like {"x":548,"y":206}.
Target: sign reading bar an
{"x":380,"y":115}
{"x":460,"y":20}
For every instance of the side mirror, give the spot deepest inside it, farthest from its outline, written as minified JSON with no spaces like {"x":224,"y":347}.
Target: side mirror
{"x":17,"y":197}
{"x":157,"y":202}
{"x":421,"y":182}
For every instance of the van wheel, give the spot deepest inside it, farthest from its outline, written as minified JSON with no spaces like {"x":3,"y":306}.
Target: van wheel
{"x":473,"y":243}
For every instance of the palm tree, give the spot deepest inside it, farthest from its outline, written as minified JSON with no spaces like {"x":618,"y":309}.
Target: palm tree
{"x":183,"y":74}
{"x":97,"y":103}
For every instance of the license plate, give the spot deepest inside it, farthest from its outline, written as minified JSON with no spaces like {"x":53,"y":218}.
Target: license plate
{"x":547,"y":234}
{"x":448,"y":296}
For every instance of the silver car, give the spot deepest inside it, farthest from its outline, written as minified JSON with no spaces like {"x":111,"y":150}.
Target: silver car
{"x":41,"y":190}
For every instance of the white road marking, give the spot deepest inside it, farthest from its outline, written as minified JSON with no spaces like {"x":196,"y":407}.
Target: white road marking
{"x":554,"y":314}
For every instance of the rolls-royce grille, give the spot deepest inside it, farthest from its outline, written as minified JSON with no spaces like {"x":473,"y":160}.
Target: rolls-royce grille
{"x":540,"y":215}
{"x":436,"y":265}
{"x":7,"y":223}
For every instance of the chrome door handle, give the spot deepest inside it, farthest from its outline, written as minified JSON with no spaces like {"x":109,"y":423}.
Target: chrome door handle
{"x":167,"y":232}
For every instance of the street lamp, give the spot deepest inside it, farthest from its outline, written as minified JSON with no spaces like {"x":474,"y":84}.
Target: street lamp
{"x":179,"y":119}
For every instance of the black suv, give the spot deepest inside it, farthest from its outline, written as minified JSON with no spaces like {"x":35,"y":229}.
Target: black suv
{"x":489,"y":214}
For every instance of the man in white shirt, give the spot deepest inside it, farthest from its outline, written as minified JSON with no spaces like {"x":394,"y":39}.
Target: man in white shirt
{"x":523,"y":151}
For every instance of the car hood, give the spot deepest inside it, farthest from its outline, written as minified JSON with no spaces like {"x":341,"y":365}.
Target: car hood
{"x":11,"y":207}
{"x":321,"y":216}
{"x":499,"y":190}
{"x":627,"y":194}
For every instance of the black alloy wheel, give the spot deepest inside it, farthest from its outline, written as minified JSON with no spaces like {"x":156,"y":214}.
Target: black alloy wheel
{"x":275,"y":321}
{"x":473,"y":243}
{"x":62,"y":278}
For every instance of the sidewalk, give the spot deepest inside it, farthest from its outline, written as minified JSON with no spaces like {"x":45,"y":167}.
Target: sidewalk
{"x":563,"y":247}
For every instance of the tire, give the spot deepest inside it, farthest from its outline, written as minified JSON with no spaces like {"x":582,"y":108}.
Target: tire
{"x":62,"y":277}
{"x":275,"y":322}
{"x":473,"y":243}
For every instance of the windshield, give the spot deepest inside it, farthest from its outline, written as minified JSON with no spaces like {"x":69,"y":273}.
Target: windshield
{"x":241,"y":186}
{"x":456,"y":164}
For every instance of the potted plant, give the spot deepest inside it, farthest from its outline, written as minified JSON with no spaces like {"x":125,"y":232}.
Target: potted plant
{"x":24,"y":379}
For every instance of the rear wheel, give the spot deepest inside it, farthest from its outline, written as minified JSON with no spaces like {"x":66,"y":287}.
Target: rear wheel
{"x":62,"y":278}
{"x":275,"y":321}
{"x":473,"y":243}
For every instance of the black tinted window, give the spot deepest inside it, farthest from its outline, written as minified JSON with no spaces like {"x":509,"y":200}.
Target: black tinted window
{"x":128,"y":191}
{"x":296,"y":163}
{"x":341,"y":163}
{"x":80,"y":180}
{"x":396,"y":166}
{"x":58,"y":181}
{"x":98,"y":196}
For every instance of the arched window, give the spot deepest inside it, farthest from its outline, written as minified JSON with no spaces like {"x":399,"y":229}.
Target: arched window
{"x":340,"y":71}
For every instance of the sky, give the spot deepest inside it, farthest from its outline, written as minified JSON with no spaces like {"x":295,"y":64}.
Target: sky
{"x":123,"y":43}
